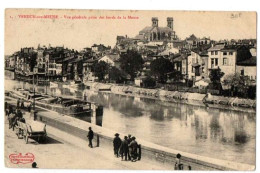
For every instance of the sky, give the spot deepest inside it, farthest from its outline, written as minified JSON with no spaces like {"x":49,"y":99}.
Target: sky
{"x":79,"y":33}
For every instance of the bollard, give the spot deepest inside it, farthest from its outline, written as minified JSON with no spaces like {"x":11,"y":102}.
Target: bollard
{"x":97,"y":140}
{"x":33,"y":115}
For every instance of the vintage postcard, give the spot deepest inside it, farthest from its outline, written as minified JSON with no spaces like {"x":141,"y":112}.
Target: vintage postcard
{"x":130,"y":90}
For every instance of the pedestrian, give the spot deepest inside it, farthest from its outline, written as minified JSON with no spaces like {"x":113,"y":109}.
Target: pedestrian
{"x":34,"y":165}
{"x":90,"y":137}
{"x":7,"y":111}
{"x":22,"y":104}
{"x":19,"y":114}
{"x":117,"y":143}
{"x":10,"y":110}
{"x":124,"y":149}
{"x":30,"y":107}
{"x":11,"y":119}
{"x":133,"y":149}
{"x":178,"y":164}
{"x":18,"y":103}
{"x":129,"y":139}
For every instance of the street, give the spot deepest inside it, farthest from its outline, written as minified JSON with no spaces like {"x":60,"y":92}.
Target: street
{"x":62,"y":150}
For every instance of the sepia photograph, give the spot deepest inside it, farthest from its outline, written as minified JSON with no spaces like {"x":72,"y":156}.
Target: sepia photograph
{"x":130,"y":89}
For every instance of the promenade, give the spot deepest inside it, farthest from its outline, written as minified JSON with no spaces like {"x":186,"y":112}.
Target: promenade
{"x":62,"y":150}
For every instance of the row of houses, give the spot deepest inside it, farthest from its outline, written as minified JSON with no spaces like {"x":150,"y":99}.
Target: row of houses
{"x":52,"y":62}
{"x":63,"y":63}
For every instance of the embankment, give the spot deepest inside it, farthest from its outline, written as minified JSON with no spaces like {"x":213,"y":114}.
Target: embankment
{"x":220,"y":102}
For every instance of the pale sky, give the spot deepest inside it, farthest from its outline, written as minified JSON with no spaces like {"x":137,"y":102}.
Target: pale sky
{"x":80,"y":33}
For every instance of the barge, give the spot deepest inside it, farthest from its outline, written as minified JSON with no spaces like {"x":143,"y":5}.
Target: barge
{"x":67,"y":106}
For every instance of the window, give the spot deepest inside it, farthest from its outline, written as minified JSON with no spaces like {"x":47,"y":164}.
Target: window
{"x":212,"y":52}
{"x":192,"y":69}
{"x":230,"y":53}
{"x":225,"y":61}
{"x":212,"y":62}
{"x":216,"y":52}
{"x":224,"y":53}
{"x":216,"y":61}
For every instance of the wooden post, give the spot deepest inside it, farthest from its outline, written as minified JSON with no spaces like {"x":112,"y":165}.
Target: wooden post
{"x":97,"y":140}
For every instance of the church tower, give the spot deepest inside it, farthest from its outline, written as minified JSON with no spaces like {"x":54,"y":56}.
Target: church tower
{"x":154,"y":21}
{"x":170,"y":22}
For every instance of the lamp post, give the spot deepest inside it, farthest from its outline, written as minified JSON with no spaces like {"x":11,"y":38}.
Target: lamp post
{"x":35,"y":70}
{"x":46,"y":74}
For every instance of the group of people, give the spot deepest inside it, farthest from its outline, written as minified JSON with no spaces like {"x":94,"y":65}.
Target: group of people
{"x":127,"y":148}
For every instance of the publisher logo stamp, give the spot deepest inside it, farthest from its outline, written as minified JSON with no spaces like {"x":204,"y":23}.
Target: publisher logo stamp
{"x":20,"y":158}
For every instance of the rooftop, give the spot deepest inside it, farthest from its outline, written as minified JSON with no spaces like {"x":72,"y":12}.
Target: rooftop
{"x":248,"y":62}
{"x":216,"y":47}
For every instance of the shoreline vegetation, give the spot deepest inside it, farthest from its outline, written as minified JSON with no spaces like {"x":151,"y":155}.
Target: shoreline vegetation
{"x":207,"y":100}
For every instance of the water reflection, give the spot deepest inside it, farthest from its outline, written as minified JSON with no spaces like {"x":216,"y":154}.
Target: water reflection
{"x":194,"y":129}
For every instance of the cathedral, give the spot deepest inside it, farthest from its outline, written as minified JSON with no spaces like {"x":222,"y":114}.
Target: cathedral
{"x":156,"y":33}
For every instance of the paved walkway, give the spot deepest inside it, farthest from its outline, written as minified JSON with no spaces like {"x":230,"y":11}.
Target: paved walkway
{"x":66,"y":151}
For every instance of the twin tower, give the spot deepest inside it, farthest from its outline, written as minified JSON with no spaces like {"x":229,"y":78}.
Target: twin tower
{"x":169,"y":22}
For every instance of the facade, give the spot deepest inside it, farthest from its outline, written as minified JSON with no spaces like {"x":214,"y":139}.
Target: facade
{"x":248,"y":68}
{"x":111,"y":59}
{"x":197,"y":65}
{"x":156,"y":33}
{"x":10,"y":62}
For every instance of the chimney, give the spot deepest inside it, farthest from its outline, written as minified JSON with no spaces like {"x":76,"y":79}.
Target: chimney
{"x":154,"y":21}
{"x":125,"y":36}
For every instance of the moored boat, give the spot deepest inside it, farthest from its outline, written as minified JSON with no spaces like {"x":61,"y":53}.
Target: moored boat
{"x":68,"y":106}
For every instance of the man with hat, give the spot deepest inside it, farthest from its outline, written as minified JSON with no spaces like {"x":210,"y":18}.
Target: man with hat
{"x":117,"y":143}
{"x":90,"y":137}
{"x":129,"y":140}
{"x":124,"y":148}
{"x":133,"y":149}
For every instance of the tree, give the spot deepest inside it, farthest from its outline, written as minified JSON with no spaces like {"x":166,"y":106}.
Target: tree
{"x":117,"y":75}
{"x":149,"y":82}
{"x":215,"y":75}
{"x":160,"y":67}
{"x":238,"y":84}
{"x":100,"y":69}
{"x":131,"y":63}
{"x":176,"y":75}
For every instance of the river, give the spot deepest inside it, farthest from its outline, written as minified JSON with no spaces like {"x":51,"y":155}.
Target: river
{"x":223,"y":134}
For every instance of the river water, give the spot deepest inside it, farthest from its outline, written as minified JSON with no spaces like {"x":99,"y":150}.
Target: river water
{"x":223,"y":134}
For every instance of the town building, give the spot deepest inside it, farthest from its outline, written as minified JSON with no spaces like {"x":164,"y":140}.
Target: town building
{"x":197,"y":63}
{"x":10,"y":62}
{"x":226,"y":57}
{"x":247,"y":68}
{"x":111,"y":59}
{"x":156,"y":33}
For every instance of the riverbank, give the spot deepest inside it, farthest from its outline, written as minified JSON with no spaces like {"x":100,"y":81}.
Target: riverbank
{"x":159,"y":154}
{"x":220,"y":102}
